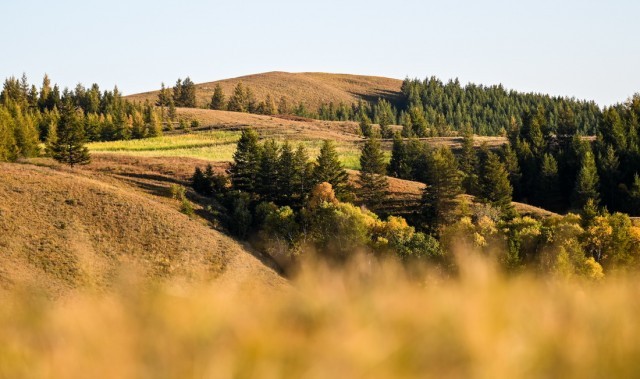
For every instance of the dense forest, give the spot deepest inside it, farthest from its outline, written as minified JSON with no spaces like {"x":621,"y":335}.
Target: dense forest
{"x":30,"y":116}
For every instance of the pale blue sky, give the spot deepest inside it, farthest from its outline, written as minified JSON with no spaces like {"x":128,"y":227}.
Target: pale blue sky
{"x":587,"y":49}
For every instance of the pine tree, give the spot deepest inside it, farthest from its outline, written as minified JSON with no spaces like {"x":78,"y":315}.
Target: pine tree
{"x":163,"y":96}
{"x":443,"y":180}
{"x":45,"y":90}
{"x":372,"y":180}
{"x":302,"y":179}
{"x":283,"y":106}
{"x":172,"y":114}
{"x":510,"y":159}
{"x":547,"y":193}
{"x":634,"y":196}
{"x":418,"y":122}
{"x":250,"y":101}
{"x":69,"y":147}
{"x":177,"y":93}
{"x":218,"y":99}
{"x":399,"y":166}
{"x":609,"y":165}
{"x":246,"y":162}
{"x":267,"y":186}
{"x":329,"y":169}
{"x":269,"y":106}
{"x":286,"y":174}
{"x":468,"y":161}
{"x":587,"y":182}
{"x":199,"y":182}
{"x":365,"y":126}
{"x":238,"y":101}
{"x":495,"y":187}
{"x":188,"y":93}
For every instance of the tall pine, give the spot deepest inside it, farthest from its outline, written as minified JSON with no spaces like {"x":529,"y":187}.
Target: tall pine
{"x":372,"y":180}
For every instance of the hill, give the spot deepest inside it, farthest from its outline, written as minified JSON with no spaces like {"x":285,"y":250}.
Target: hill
{"x":62,"y":229}
{"x":312,"y":88}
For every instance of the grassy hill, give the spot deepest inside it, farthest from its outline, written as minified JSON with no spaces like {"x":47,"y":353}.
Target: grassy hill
{"x":62,"y":229}
{"x":312,"y":88}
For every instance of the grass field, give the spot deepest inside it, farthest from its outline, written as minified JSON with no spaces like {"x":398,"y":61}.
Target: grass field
{"x":365,"y":322}
{"x":217,"y":146}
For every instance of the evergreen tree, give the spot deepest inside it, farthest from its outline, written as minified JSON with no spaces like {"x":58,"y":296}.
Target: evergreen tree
{"x":269,"y":106}
{"x":246,"y":162}
{"x":365,"y":126}
{"x":418,"y":122}
{"x":547,"y":192}
{"x":468,"y":161}
{"x":609,"y":165}
{"x":172,"y":114}
{"x":218,"y":99}
{"x":283,"y":106}
{"x":69,"y":147}
{"x":238,"y":101}
{"x":329,"y":169}
{"x":512,"y":166}
{"x":286,"y":174}
{"x":188,"y":94}
{"x":302,"y":179}
{"x":163,"y":96}
{"x":495,"y":187}
{"x":444,"y":184}
{"x":267,"y":186}
{"x":177,"y":93}
{"x":372,"y":180}
{"x":399,"y":166}
{"x":587,"y":182}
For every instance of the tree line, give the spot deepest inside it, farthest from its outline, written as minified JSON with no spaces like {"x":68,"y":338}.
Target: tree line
{"x":287,"y":204}
{"x":30,"y":116}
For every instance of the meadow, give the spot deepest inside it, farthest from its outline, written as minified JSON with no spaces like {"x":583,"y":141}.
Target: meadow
{"x":368,"y":320}
{"x":216,"y":146}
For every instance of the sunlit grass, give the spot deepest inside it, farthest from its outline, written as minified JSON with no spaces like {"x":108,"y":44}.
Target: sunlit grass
{"x":217,"y":146}
{"x":362,"y":323}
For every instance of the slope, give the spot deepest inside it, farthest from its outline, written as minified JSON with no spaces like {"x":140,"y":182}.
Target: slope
{"x":312,"y":88}
{"x":61,"y":229}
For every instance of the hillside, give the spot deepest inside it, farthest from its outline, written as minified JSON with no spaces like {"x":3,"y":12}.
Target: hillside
{"x":62,"y":229}
{"x":312,"y":88}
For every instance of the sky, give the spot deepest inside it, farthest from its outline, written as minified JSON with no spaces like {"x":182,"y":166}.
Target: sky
{"x":584,"y":49}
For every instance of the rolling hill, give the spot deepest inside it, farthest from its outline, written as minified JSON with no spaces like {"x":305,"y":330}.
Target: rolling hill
{"x":61,"y":229}
{"x":311,"y":88}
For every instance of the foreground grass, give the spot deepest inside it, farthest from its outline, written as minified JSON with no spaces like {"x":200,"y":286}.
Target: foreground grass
{"x":217,"y":146}
{"x":364,"y":322}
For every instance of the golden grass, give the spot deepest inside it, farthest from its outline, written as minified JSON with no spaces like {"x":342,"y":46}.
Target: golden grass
{"x":312,"y":88}
{"x":64,"y":229}
{"x":363,"y":322}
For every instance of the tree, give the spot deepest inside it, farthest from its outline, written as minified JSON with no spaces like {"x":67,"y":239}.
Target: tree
{"x":329,"y":169}
{"x":218,"y":99}
{"x":163,"y":97}
{"x":399,"y":166}
{"x":246,"y":162}
{"x":283,"y":106}
{"x":286,"y":174}
{"x":443,"y":182}
{"x":372,"y":179}
{"x":365,"y":126}
{"x":468,"y":161}
{"x":188,"y":94}
{"x":267,"y":185}
{"x":495,"y":187}
{"x":587,"y":182}
{"x":238,"y":101}
{"x":548,"y":188}
{"x":69,"y":147}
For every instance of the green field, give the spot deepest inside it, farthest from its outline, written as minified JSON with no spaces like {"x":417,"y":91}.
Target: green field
{"x":217,"y":146}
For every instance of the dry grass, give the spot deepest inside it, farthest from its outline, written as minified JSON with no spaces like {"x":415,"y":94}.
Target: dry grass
{"x":63,"y":229}
{"x":311,"y":88}
{"x":365,"y":322}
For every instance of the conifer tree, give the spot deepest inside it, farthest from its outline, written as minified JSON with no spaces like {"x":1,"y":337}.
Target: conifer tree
{"x":495,"y":187}
{"x":246,"y":162}
{"x":172,"y":113}
{"x":238,"y":101}
{"x":163,"y":96}
{"x":286,"y":174}
{"x":68,"y":147}
{"x":269,"y":106}
{"x":302,"y":179}
{"x":510,"y":159}
{"x":372,"y":180}
{"x":587,"y":182}
{"x":468,"y":161}
{"x":283,"y":106}
{"x":399,"y":166}
{"x":609,"y":165}
{"x":418,"y":122}
{"x":547,"y":193}
{"x":177,"y":93}
{"x":365,"y":126}
{"x":188,"y":93}
{"x":444,"y":184}
{"x":329,"y":169}
{"x":218,"y":99}
{"x":267,"y":186}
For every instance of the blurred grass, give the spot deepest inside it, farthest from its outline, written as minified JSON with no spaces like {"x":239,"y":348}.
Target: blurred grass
{"x":217,"y":146}
{"x":362,"y":322}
